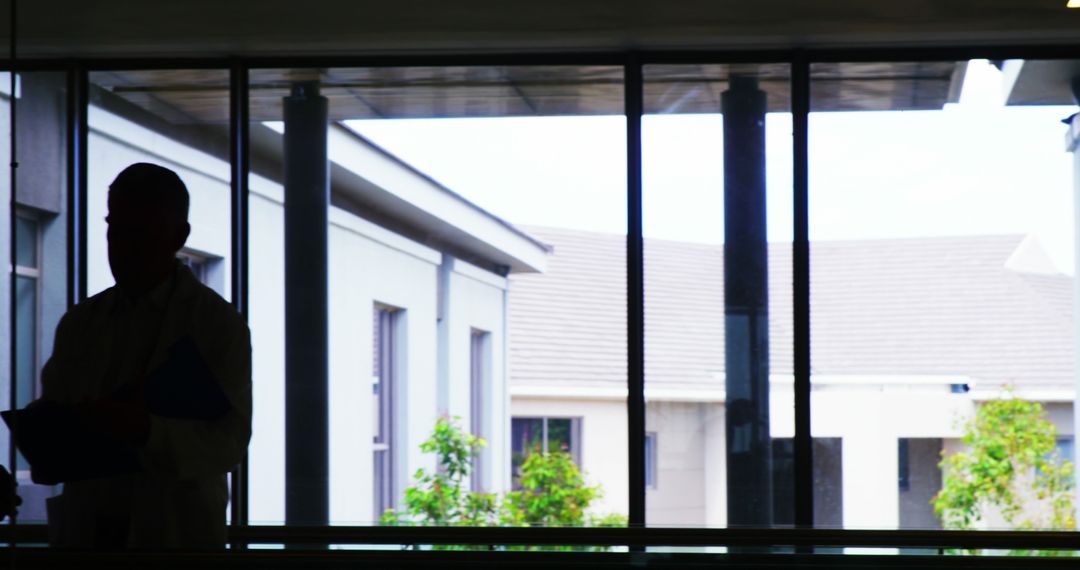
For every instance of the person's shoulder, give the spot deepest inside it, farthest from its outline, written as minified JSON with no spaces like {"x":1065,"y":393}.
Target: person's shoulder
{"x":92,"y":305}
{"x":211,"y":306}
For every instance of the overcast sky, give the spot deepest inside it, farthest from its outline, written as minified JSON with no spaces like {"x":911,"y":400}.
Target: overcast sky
{"x":976,"y":167}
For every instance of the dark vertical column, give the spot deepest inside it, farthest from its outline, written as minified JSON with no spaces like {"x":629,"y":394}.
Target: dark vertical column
{"x":307,"y":198}
{"x":238,"y":161}
{"x":749,"y":476}
{"x":804,"y":449}
{"x":635,"y":295}
{"x":77,"y":133}
{"x":13,"y":165}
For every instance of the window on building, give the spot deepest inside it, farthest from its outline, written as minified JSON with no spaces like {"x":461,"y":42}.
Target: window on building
{"x":27,"y":312}
{"x":1066,"y":448}
{"x":384,"y":375}
{"x":27,"y":278}
{"x":479,"y":373}
{"x":918,"y":479}
{"x":196,"y":263}
{"x":208,"y":269}
{"x":650,"y":460}
{"x":530,"y":435}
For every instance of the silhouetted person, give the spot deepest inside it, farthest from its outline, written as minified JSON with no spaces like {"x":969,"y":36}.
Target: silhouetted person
{"x":129,"y":359}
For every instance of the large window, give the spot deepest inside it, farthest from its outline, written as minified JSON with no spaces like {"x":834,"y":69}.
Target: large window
{"x":36,"y":227}
{"x":441,"y":275}
{"x":716,"y":168}
{"x":441,"y":204}
{"x":942,"y":279}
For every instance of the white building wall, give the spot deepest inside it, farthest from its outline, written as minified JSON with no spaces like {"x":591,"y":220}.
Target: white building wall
{"x":682,"y":462}
{"x":365,"y":270}
{"x":869,"y":416}
{"x":476,"y":302}
{"x":266,"y":310}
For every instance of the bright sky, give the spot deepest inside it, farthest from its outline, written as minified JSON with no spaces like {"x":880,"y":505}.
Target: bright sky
{"x":976,"y":167}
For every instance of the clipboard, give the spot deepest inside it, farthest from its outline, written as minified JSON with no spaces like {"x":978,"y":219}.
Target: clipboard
{"x":60,"y":447}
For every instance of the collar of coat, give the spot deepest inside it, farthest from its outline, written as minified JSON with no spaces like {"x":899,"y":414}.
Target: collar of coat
{"x":180,"y":284}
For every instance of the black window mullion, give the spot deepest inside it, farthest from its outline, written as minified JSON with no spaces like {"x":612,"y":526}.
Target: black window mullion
{"x":77,"y":103}
{"x":239,"y":165}
{"x":635,"y":292}
{"x":804,"y":474}
{"x":13,"y":163}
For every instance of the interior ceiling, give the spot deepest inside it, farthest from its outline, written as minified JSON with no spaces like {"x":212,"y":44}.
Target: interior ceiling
{"x":144,"y":28}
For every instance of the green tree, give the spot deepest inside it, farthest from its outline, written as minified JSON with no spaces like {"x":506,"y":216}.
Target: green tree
{"x":438,"y":498}
{"x":553,"y":492}
{"x":553,"y":489}
{"x":1010,"y":468}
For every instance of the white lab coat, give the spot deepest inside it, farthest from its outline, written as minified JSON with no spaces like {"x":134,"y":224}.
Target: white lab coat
{"x":178,"y":499}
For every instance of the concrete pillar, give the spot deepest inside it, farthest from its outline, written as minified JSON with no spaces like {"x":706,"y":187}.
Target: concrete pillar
{"x":749,"y":469}
{"x":715,"y":494}
{"x":871,"y":492}
{"x":307,"y":199}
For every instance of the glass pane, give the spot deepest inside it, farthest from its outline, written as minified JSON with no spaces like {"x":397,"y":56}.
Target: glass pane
{"x":716,"y":143}
{"x":26,"y":305}
{"x":527,"y":437}
{"x":942,"y":283}
{"x":457,"y":197}
{"x":26,"y":238}
{"x":173,"y":118}
{"x":559,"y":436}
{"x":40,"y":250}
{"x":177,"y":120}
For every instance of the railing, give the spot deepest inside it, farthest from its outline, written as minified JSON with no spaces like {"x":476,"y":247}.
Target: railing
{"x":885,"y":543}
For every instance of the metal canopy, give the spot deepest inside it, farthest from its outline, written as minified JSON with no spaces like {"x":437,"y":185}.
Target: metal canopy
{"x":186,"y":97}
{"x":1040,"y":82}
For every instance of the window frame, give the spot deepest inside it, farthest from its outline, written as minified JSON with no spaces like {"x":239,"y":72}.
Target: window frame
{"x":798,"y":59}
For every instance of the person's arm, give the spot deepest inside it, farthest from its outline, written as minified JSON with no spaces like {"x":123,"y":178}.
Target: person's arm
{"x":54,"y":373}
{"x":186,"y":448}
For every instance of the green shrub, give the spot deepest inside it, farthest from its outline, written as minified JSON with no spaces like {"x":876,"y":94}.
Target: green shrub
{"x":1010,"y":466}
{"x":553,"y":490}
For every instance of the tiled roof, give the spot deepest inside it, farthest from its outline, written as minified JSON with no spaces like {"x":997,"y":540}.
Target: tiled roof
{"x":926,"y":306}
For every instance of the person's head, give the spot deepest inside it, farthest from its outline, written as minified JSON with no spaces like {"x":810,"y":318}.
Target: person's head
{"x":148,"y":209}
